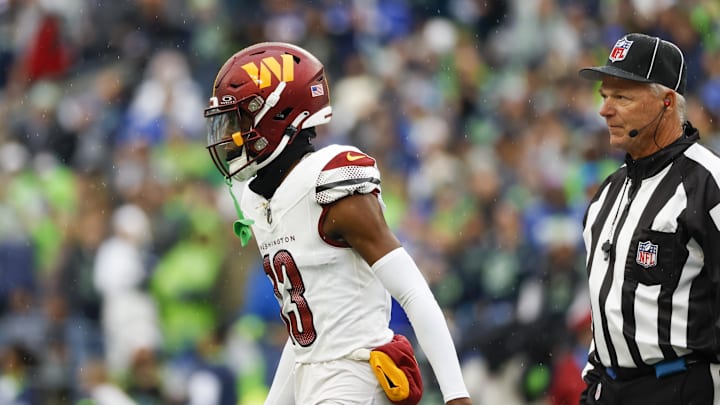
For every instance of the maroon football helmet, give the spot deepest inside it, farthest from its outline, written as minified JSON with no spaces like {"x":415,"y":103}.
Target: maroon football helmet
{"x":262,"y":97}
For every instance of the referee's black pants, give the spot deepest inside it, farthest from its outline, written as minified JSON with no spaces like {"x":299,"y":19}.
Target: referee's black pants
{"x":694,"y":386}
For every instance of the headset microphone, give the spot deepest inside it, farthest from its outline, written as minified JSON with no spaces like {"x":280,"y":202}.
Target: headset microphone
{"x":635,"y":132}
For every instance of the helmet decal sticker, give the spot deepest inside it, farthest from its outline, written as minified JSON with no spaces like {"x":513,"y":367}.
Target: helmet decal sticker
{"x":262,"y":75}
{"x":227,"y":99}
{"x":316,"y":90}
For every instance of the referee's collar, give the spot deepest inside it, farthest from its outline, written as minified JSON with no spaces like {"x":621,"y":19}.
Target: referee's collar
{"x":651,"y":165}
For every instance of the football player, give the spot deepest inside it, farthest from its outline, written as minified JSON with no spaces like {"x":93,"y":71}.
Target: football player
{"x":318,"y":221}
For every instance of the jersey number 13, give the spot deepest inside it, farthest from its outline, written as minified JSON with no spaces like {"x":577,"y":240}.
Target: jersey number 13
{"x":298,"y":317}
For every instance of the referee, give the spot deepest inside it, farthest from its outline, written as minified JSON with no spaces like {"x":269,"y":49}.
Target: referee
{"x":652,"y":234}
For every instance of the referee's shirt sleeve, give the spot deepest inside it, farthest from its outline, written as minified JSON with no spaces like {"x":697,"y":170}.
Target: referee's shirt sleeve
{"x":712,"y":230}
{"x":704,"y":209}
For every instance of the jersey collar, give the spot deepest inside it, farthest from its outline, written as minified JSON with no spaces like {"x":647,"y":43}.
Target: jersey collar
{"x":651,"y":165}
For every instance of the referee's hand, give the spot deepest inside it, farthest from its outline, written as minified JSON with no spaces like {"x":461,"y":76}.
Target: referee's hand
{"x":460,"y":401}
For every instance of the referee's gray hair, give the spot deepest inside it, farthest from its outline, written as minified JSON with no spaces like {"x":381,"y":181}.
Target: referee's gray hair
{"x":680,"y":102}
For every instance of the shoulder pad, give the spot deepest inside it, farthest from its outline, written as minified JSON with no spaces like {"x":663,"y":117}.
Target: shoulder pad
{"x":348,"y":172}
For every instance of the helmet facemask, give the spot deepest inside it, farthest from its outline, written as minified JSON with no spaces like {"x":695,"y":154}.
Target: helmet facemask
{"x":236,"y":147}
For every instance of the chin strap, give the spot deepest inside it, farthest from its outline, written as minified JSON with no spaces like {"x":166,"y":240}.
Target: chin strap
{"x":241,"y":226}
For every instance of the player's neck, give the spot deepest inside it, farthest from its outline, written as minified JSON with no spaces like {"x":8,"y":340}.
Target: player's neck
{"x":270,"y":177}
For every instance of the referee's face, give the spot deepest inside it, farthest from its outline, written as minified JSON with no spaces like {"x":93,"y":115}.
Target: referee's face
{"x":628,"y":106}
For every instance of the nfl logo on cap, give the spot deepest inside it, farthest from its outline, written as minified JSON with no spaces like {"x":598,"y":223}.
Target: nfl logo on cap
{"x":620,"y":50}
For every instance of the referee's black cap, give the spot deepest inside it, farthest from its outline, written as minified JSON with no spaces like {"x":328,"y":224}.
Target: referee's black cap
{"x":646,"y":59}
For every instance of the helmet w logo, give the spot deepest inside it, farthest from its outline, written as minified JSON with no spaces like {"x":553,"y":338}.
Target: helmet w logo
{"x":269,"y":67}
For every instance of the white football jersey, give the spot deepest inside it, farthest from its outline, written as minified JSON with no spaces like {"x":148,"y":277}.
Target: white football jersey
{"x":330,"y":300}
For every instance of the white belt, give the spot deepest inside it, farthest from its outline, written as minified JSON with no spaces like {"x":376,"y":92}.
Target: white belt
{"x":359,"y":354}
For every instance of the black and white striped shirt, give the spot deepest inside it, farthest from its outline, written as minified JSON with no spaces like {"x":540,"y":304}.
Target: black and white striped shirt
{"x":652,"y":234}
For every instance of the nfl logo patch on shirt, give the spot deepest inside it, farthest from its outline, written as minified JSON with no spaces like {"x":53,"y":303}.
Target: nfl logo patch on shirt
{"x":620,"y":50}
{"x":646,"y":254}
{"x":316,"y":90}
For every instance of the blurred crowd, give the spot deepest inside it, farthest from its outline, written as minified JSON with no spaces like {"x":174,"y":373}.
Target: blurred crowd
{"x":121,"y":281}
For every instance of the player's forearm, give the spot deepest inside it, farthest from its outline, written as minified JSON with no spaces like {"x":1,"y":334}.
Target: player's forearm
{"x":434,"y":338}
{"x":400,"y":275}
